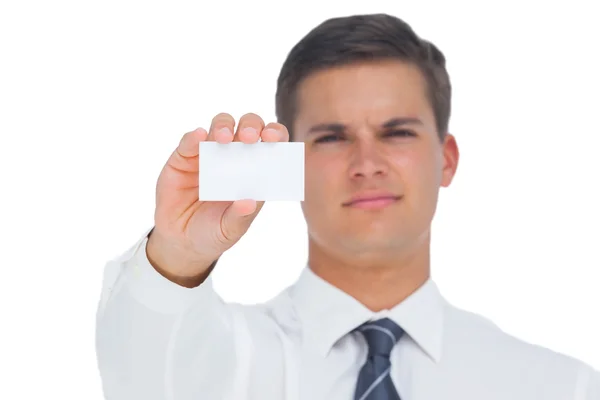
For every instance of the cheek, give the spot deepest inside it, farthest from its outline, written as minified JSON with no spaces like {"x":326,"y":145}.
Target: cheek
{"x":316,"y":193}
{"x":322,"y":183}
{"x":418,"y":171}
{"x":318,"y":185}
{"x":408,"y":165}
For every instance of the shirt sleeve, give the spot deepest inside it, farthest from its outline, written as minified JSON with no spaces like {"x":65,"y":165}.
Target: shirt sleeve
{"x":156,"y":340}
{"x":593,"y":389}
{"x":588,"y":384}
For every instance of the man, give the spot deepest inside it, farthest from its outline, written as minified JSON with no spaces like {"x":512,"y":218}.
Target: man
{"x":365,"y":321}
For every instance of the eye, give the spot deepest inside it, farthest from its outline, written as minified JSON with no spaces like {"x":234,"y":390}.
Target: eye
{"x":400,"y":133}
{"x":329,"y":138}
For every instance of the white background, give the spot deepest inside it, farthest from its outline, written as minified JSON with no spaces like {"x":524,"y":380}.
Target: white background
{"x":94,"y":96}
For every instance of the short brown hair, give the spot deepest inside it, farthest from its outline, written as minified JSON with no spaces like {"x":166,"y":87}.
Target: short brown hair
{"x":359,"y":38}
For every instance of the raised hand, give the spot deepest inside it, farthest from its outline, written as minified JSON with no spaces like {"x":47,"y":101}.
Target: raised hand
{"x":189,"y":235}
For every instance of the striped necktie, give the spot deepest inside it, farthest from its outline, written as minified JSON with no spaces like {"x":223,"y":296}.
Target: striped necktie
{"x":374,"y":380}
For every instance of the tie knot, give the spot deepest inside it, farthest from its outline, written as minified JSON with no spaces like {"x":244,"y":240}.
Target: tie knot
{"x":381,"y":335}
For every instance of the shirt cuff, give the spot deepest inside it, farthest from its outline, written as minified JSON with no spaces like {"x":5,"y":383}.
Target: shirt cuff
{"x":159,"y":294}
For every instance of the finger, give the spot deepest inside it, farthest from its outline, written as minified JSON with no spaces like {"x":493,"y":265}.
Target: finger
{"x":222,"y":128}
{"x":243,"y":208}
{"x":179,"y":178}
{"x":185,"y":156}
{"x":237,"y":218}
{"x":275,"y":132}
{"x":249,"y":128}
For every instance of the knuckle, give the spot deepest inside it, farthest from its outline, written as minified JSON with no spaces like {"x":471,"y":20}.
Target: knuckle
{"x":223,"y":119}
{"x":251,"y":119}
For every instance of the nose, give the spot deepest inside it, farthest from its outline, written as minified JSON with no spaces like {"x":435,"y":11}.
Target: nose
{"x":366,"y":160}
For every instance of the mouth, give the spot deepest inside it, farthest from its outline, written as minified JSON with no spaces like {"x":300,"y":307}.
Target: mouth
{"x":373,"y":202}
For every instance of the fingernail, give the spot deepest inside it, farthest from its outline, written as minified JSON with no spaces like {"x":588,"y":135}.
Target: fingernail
{"x":249,"y":131}
{"x":224,"y":131}
{"x":271,"y":131}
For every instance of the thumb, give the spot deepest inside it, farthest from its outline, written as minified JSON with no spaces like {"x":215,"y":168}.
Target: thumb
{"x":237,"y":218}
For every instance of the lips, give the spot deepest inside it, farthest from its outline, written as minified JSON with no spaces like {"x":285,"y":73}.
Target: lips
{"x":372,"y":200}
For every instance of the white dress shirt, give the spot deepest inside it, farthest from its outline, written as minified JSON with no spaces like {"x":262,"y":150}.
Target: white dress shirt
{"x":157,"y":340}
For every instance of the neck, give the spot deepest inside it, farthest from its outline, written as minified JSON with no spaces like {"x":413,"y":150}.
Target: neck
{"x":379,"y":281}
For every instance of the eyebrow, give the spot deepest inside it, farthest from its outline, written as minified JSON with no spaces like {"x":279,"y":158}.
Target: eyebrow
{"x":340,"y":128}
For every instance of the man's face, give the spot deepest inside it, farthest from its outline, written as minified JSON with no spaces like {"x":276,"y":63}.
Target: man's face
{"x":370,"y":133}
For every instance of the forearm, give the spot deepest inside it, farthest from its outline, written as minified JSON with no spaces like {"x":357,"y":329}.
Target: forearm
{"x":153,"y":335}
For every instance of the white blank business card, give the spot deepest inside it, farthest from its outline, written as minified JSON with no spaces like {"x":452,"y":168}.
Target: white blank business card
{"x":258,"y":171}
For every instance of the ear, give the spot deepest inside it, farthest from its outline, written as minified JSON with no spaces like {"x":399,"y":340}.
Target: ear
{"x":450,"y":155}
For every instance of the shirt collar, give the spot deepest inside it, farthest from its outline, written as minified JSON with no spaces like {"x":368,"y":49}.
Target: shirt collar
{"x":328,"y":313}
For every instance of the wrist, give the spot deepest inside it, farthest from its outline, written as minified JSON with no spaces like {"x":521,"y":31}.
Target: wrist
{"x":176,"y":264}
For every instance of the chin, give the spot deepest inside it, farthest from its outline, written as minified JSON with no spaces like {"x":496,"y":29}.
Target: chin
{"x":371,"y":243}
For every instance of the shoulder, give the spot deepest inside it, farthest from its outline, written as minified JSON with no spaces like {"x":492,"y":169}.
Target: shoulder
{"x":483,"y":343}
{"x":471,"y":330}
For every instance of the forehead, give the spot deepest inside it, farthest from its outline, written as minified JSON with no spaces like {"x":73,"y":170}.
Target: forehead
{"x":362,"y":93}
